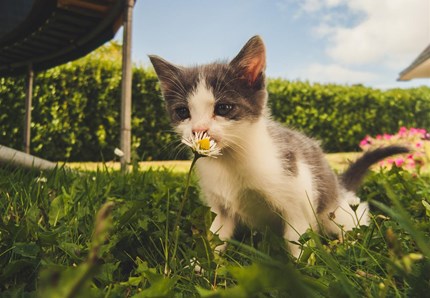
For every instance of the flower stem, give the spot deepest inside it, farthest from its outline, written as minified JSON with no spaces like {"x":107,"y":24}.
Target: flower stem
{"x":181,"y":208}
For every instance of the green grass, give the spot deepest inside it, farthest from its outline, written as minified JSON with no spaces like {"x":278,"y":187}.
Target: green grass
{"x":338,"y":161}
{"x":104,"y":234}
{"x":181,"y":166}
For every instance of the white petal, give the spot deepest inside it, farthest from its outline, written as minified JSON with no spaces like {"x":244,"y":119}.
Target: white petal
{"x":118,"y":152}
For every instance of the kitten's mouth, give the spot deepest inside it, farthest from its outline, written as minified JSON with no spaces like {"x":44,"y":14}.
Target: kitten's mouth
{"x":203,"y":144}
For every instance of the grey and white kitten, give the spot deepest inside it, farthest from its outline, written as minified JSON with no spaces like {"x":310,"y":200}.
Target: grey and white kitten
{"x":268,"y":174}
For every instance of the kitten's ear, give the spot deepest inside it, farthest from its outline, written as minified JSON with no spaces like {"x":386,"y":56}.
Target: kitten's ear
{"x":251,"y":60}
{"x":166,"y":72}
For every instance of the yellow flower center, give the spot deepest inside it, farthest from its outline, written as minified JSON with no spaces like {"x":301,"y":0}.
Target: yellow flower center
{"x":204,"y":144}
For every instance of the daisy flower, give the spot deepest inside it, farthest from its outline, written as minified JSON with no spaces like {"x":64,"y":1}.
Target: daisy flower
{"x":202,"y":144}
{"x":118,"y":152}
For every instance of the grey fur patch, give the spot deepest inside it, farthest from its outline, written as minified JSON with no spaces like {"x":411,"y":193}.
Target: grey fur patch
{"x":229,"y":88}
{"x":177,"y":83}
{"x":295,"y":146}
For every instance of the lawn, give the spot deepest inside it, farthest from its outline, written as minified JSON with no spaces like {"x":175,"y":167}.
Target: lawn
{"x":338,"y":161}
{"x":103,"y":234}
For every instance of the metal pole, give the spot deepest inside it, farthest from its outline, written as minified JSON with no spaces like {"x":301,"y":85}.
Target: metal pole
{"x":28,"y":100}
{"x":125,"y":142}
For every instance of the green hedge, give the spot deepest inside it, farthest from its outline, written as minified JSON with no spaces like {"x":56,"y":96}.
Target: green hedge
{"x":76,"y":111}
{"x":340,"y":116}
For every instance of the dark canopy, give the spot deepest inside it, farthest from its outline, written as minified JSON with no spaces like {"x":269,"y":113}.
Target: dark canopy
{"x":46,"y":33}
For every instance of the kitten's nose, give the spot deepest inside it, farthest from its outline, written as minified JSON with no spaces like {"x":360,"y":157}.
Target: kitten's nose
{"x":200,"y":129}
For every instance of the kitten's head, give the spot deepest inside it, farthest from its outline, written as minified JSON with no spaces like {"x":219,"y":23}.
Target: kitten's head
{"x":220,"y":98}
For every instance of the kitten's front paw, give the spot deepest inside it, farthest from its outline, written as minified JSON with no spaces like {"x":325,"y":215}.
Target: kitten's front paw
{"x":196,"y":264}
{"x":295,"y":250}
{"x":197,"y":268}
{"x":221,"y":248}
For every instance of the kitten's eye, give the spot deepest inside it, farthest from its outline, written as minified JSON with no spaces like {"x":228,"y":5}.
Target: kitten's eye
{"x":223,"y":109}
{"x":183,"y":113}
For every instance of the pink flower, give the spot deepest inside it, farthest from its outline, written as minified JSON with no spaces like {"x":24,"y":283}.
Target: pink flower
{"x":414,"y":138}
{"x":399,"y":161}
{"x":403,"y":129}
{"x":387,"y":136}
{"x":413,"y":131}
{"x":365,"y":142}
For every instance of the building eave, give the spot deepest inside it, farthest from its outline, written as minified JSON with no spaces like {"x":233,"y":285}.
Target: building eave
{"x":420,"y":67}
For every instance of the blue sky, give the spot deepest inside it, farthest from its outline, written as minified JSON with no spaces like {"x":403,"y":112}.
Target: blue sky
{"x":339,"y":41}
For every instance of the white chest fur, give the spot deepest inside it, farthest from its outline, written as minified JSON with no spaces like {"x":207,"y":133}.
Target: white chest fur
{"x":252,"y":183}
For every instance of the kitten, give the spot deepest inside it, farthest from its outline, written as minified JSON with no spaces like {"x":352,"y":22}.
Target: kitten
{"x":268,"y":175}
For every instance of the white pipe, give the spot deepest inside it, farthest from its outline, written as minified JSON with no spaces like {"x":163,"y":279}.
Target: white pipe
{"x":14,"y":157}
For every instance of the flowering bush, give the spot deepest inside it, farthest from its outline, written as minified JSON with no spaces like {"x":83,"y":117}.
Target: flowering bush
{"x":416,"y":139}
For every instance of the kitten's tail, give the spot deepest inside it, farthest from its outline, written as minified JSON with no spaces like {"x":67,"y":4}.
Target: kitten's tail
{"x":353,"y":176}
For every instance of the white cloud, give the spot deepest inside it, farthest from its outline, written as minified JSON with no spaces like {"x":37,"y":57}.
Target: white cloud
{"x":333,"y":2}
{"x":333,"y":73}
{"x":311,"y":5}
{"x":315,"y":5}
{"x":391,"y":32}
